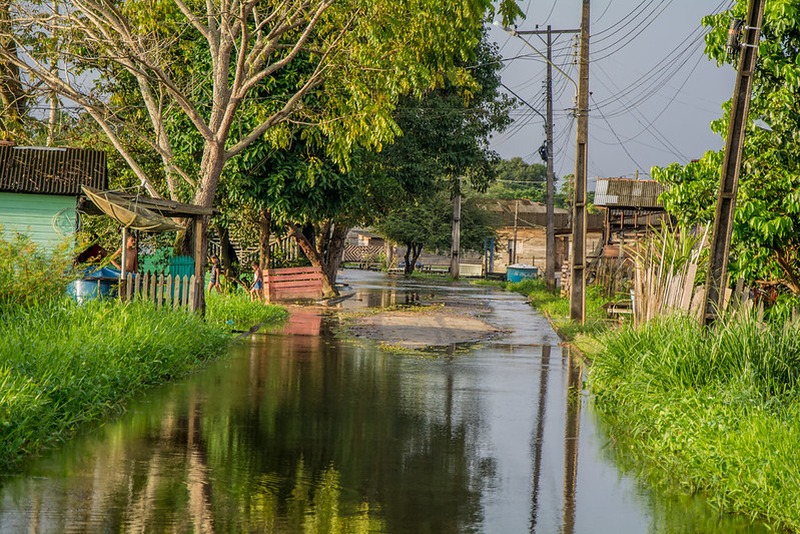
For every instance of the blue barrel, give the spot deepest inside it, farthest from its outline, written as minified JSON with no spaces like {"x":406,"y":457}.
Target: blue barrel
{"x":520,"y":272}
{"x":95,"y":283}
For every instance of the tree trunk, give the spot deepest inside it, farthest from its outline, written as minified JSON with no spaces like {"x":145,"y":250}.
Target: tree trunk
{"x":12,"y":95}
{"x":227,"y":254}
{"x":413,"y":250}
{"x":313,"y":255}
{"x":334,"y":247}
{"x":455,"y":248}
{"x":264,"y":235}
{"x":417,"y":250}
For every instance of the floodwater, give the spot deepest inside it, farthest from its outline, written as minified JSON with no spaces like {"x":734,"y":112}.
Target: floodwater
{"x":301,"y":431}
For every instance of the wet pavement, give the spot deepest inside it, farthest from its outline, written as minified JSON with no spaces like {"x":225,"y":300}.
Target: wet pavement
{"x":302,"y":431}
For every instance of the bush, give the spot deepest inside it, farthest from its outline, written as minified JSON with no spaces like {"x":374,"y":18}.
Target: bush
{"x":30,"y":275}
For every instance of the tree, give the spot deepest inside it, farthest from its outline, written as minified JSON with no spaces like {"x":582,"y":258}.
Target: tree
{"x":367,"y":52}
{"x":444,"y":146}
{"x":426,"y":224}
{"x":766,"y":232}
{"x":518,"y":179}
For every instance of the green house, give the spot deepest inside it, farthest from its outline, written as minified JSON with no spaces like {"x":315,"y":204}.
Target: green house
{"x":40,"y":186}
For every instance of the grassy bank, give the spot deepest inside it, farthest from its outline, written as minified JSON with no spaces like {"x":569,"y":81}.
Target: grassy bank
{"x":62,"y":365}
{"x":237,"y":312}
{"x":715,"y":412}
{"x":690,"y":410}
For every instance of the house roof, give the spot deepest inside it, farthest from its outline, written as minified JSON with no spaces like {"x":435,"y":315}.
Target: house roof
{"x":53,"y":171}
{"x":628,"y":193}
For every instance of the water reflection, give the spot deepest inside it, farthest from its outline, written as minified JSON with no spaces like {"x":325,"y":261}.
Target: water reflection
{"x":299,"y":432}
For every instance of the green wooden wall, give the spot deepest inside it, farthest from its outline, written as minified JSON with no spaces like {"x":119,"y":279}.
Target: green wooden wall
{"x":48,"y":219}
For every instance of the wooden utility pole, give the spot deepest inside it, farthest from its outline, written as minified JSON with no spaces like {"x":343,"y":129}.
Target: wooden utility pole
{"x":550,"y":222}
{"x":550,"y":232}
{"x":516,"y":225}
{"x":577,"y":301}
{"x":716,"y":282}
{"x":456,"y":244}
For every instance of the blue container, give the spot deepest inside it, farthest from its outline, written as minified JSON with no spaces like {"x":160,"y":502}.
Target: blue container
{"x":520,"y":272}
{"x":95,"y":283}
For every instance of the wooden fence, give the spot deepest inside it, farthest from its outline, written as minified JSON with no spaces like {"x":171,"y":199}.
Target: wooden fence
{"x":292,"y":283}
{"x":166,"y":291}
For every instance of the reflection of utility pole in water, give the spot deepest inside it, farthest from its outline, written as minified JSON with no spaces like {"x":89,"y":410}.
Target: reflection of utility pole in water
{"x":574,"y":385}
{"x":538,"y":440}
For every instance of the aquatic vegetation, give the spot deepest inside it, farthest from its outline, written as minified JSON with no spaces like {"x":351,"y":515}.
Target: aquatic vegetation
{"x":63,"y":365}
{"x":235,"y":311}
{"x":708,"y":410}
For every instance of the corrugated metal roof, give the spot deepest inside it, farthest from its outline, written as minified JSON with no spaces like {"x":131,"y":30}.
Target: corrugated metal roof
{"x":627,"y":193}
{"x":53,"y":171}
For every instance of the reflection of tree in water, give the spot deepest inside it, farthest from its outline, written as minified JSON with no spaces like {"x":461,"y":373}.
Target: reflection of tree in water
{"x":300,"y":437}
{"x":310,"y":413}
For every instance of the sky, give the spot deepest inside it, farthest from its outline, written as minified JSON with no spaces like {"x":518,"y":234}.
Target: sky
{"x":653,"y":90}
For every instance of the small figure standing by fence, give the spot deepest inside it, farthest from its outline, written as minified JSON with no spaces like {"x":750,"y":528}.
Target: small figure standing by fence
{"x":257,"y":288}
{"x":130,"y":256}
{"x":216,"y":269}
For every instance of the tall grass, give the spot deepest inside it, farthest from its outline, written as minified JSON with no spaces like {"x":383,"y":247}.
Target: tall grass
{"x":715,"y":411}
{"x":63,"y":365}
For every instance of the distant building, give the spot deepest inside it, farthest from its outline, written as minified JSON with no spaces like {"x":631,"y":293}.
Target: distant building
{"x":40,"y":186}
{"x":528,"y":221}
{"x":363,"y":245}
{"x":631,"y":208}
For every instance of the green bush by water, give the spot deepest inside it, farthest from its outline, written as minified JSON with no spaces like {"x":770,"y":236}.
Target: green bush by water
{"x":236,"y":311}
{"x":714,"y":411}
{"x":63,"y":365}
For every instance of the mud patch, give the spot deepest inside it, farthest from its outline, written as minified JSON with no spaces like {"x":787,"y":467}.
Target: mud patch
{"x":419,"y":329}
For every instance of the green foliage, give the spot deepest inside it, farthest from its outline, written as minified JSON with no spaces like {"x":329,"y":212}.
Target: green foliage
{"x":694,"y":410}
{"x":85,"y":361}
{"x":517,"y":179}
{"x":236,"y":311}
{"x":766,"y":236}
{"x":429,"y":223}
{"x":29,"y":274}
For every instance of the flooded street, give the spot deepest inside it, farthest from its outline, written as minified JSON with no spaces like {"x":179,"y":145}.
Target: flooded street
{"x":303,"y":431}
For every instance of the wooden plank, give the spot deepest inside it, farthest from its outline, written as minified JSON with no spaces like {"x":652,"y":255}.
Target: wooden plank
{"x":176,"y":292}
{"x":184,"y":291}
{"x":153,"y":288}
{"x":168,"y":291}
{"x":193,"y":293}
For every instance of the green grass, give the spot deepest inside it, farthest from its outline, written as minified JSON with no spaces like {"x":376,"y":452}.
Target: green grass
{"x":236,"y":311}
{"x":711,"y":411}
{"x":557,"y":309}
{"x":64,"y":365}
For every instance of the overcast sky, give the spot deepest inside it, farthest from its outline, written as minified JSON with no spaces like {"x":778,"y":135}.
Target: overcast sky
{"x":653,"y":90}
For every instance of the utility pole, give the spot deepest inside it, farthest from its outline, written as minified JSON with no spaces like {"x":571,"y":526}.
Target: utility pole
{"x":716,"y":281}
{"x":577,"y":303}
{"x":550,"y":232}
{"x":456,"y":243}
{"x":550,"y":222}
{"x":516,"y":223}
